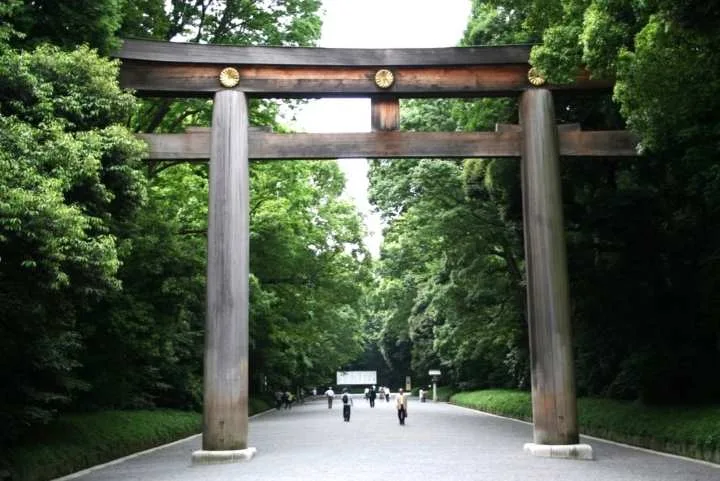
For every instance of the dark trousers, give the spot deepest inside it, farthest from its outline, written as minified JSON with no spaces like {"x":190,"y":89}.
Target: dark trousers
{"x":346,"y":412}
{"x":330,"y":402}
{"x":372,"y":402}
{"x":402,"y":414}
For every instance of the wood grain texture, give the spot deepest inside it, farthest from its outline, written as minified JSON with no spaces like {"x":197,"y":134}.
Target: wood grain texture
{"x":201,"y":80}
{"x":602,"y":143}
{"x":551,"y":357}
{"x":175,"y":52}
{"x":225,"y":406}
{"x":265,"y":146}
{"x":384,"y":113}
{"x":517,"y":128}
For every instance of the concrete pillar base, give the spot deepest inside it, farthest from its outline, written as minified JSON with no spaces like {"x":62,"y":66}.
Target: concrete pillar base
{"x":223,"y":457}
{"x":566,"y":451}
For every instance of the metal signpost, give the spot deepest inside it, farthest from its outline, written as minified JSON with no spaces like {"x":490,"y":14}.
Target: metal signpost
{"x":435,"y":373}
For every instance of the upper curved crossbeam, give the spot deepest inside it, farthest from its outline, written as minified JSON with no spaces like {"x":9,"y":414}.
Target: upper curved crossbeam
{"x":154,"y":68}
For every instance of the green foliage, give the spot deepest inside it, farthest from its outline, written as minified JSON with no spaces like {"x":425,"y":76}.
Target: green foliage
{"x":450,"y":287}
{"x":495,"y":24}
{"x":232,"y":22}
{"x":514,"y":404}
{"x":65,"y":24}
{"x":641,"y":247}
{"x":65,"y":169}
{"x":144,"y":343}
{"x":655,"y":99}
{"x":77,"y":441}
{"x":309,"y":268}
{"x":102,"y":276}
{"x":686,"y":430}
{"x":444,"y":393}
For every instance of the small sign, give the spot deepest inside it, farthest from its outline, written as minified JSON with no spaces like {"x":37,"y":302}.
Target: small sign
{"x":434,"y":372}
{"x":356,"y":378}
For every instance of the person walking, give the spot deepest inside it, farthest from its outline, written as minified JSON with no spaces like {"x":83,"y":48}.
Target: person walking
{"x":289,"y":399}
{"x":347,"y":404}
{"x":401,"y":405}
{"x":330,"y":395}
{"x":372,"y":395}
{"x":386,"y":391}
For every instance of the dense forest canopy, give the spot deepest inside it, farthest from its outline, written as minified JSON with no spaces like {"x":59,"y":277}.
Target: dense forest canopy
{"x":103,"y":258}
{"x":642,"y":234}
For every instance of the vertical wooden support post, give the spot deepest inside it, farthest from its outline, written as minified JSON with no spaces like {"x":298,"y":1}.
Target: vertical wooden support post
{"x":225,"y":416}
{"x":385,"y":112}
{"x":553,"y":381}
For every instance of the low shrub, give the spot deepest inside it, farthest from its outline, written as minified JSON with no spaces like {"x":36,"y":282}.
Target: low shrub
{"x":77,"y":441}
{"x":692,"y":431}
{"x":443,"y":393}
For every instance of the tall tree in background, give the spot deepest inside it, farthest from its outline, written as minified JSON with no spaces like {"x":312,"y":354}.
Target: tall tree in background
{"x":233,"y":22}
{"x":102,"y":276}
{"x":68,"y":176}
{"x":450,"y":269}
{"x":641,"y":233}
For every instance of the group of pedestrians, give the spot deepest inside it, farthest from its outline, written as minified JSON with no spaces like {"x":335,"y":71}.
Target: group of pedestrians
{"x":371,"y":395}
{"x":284,"y":399}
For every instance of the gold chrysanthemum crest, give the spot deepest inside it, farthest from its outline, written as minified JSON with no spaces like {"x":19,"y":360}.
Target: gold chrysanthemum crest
{"x":384,"y":78}
{"x":229,"y":77}
{"x":535,"y":77}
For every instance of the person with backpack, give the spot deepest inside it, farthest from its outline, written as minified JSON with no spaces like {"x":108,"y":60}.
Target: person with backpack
{"x":330,"y":394}
{"x":347,"y":403}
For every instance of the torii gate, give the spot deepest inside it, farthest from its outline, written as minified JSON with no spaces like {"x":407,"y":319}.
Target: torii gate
{"x":230,"y":74}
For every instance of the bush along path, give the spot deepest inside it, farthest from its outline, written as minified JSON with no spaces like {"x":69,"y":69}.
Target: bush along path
{"x":75,"y":442}
{"x":692,"y":431}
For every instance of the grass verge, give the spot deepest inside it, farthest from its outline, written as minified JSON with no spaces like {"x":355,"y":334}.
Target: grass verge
{"x":692,"y":431}
{"x":78,"y":441}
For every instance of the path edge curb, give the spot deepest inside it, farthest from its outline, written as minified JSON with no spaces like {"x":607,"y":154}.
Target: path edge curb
{"x":98,"y":467}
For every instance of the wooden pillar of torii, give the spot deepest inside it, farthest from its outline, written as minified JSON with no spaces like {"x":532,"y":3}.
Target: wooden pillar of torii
{"x":225,"y":380}
{"x":554,"y":405}
{"x":229,"y":74}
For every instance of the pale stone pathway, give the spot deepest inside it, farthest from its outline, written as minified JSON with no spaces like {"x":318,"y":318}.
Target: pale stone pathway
{"x":439,"y":442}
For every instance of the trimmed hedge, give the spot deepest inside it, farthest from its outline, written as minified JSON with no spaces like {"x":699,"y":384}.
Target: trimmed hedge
{"x":78,"y":441}
{"x":444,"y":393}
{"x":692,"y":431}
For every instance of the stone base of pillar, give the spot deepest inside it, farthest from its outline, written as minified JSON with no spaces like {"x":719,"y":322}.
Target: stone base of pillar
{"x":566,"y":451}
{"x":222,"y":457}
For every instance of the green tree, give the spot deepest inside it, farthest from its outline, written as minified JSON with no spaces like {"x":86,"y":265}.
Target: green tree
{"x":67,"y":25}
{"x":67,"y":174}
{"x":641,"y":250}
{"x":309,"y":268}
{"x":232,"y":22}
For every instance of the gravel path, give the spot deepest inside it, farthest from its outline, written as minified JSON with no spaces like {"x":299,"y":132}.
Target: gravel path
{"x":438,"y":442}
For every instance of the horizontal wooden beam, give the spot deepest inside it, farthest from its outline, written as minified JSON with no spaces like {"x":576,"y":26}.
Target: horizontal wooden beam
{"x":195,"y":145}
{"x":194,"y":53}
{"x":199,"y":80}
